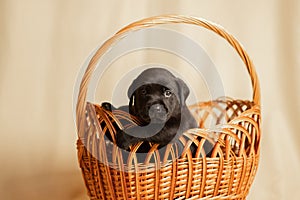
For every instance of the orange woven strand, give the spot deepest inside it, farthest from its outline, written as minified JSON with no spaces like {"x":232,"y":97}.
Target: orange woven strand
{"x":237,"y":171}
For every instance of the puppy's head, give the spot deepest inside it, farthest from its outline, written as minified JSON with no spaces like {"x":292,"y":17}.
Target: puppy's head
{"x":156,"y":95}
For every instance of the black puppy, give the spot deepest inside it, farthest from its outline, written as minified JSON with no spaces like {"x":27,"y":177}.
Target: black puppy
{"x":157,"y":99}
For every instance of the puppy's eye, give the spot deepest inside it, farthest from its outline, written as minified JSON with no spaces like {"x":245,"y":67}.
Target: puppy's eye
{"x":167,"y":93}
{"x":144,"y":91}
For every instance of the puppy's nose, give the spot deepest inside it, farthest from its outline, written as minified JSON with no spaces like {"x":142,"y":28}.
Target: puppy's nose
{"x":157,"y":108}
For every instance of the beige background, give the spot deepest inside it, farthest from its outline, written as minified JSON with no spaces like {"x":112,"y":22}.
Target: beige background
{"x":44,"y":43}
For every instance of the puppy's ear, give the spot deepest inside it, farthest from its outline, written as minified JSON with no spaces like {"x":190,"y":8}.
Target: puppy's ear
{"x":131,"y":96}
{"x":131,"y":105}
{"x":183,"y":90}
{"x":130,"y":91}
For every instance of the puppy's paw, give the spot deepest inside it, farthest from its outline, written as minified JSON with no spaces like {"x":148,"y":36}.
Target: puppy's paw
{"x":107,"y":106}
{"x":123,"y":140}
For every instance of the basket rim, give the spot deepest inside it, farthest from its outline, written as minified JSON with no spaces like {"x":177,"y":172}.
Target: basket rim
{"x":150,"y":22}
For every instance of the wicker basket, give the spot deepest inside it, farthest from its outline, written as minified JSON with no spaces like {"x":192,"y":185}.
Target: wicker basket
{"x":226,"y":174}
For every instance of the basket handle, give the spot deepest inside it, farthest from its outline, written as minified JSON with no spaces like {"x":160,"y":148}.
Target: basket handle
{"x":149,"y":22}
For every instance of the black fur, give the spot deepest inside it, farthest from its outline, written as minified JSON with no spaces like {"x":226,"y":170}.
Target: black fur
{"x":157,"y":98}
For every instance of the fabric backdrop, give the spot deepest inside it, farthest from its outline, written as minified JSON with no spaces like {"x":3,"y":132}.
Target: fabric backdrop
{"x":43,"y":45}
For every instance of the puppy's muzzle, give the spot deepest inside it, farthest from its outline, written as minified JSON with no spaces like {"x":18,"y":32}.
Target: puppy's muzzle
{"x":157,"y":113}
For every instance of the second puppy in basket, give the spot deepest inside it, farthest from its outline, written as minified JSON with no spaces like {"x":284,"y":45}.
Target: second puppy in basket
{"x":157,"y":99}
